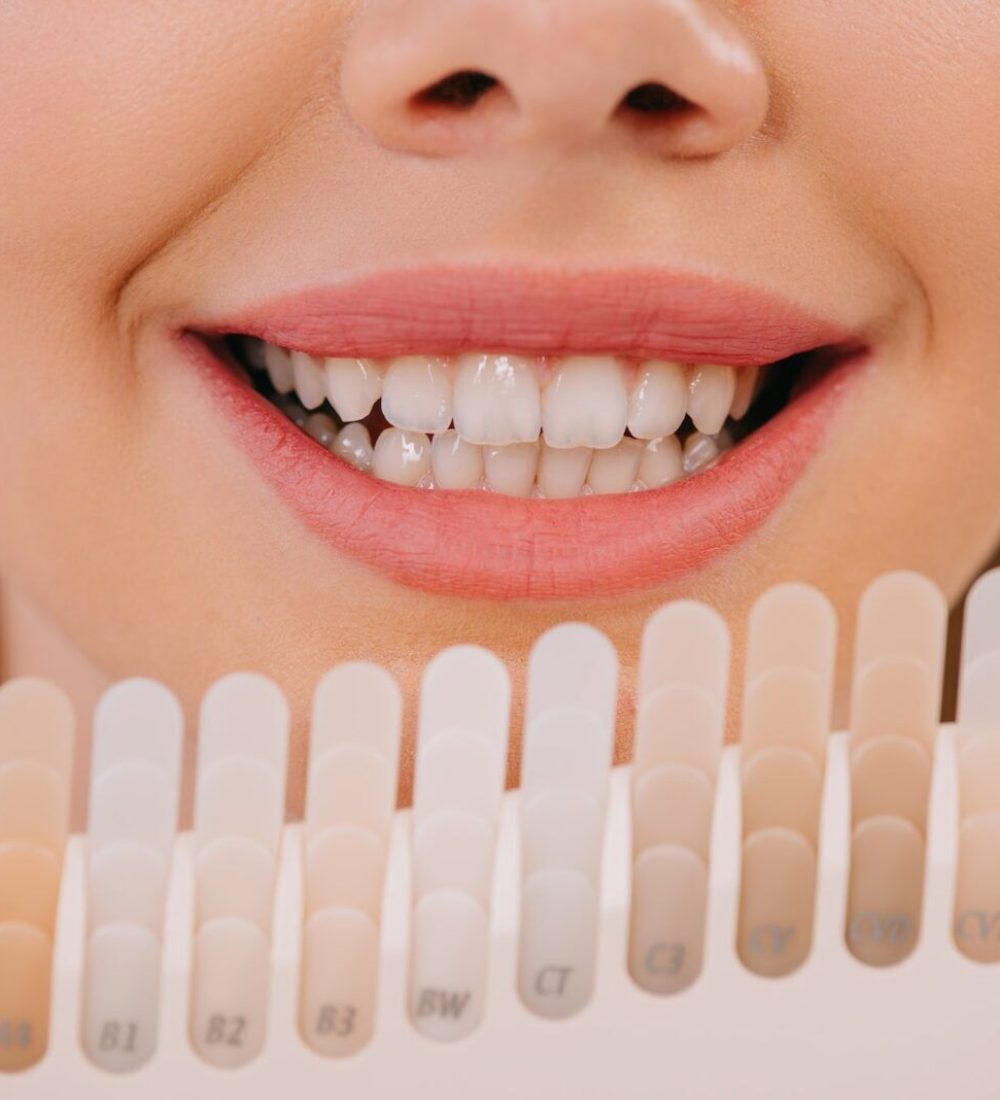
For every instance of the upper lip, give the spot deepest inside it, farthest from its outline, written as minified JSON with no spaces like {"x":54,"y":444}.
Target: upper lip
{"x":640,"y":313}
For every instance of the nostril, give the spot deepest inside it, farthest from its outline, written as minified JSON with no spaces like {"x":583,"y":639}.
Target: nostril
{"x":653,"y":98}
{"x":459,"y":91}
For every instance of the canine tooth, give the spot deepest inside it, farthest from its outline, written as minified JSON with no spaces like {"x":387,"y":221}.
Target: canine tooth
{"x":585,"y":403}
{"x":279,"y":368}
{"x":310,"y":384}
{"x":352,"y":386}
{"x":497,"y":400}
{"x":711,"y":395}
{"x":401,"y":457}
{"x":662,"y":462}
{"x":562,"y":471}
{"x":511,"y":470}
{"x":699,"y":451}
{"x":746,"y":389}
{"x":322,"y":428}
{"x":659,"y":400}
{"x":354,"y":445}
{"x":615,"y":469}
{"x":457,"y":464}
{"x":416,"y":394}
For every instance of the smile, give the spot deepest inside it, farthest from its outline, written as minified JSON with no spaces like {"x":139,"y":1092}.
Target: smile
{"x":523,"y":435}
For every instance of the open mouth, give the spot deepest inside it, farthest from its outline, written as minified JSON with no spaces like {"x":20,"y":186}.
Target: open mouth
{"x":525,"y":426}
{"x":525,"y":434}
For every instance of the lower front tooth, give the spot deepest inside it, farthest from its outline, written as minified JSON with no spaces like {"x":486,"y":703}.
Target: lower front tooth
{"x":712,"y":389}
{"x":279,"y":368}
{"x":310,"y":381}
{"x":662,"y":462}
{"x":354,"y":445}
{"x":457,"y":464}
{"x":614,"y":470}
{"x":511,"y":470}
{"x":562,"y":471}
{"x":402,"y":457}
{"x":416,"y":394}
{"x":699,"y":451}
{"x":322,"y":428}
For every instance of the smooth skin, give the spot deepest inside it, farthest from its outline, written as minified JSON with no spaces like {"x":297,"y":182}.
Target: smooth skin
{"x":162,"y":156}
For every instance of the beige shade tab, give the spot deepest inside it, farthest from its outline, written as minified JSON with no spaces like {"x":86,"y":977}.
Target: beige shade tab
{"x":685,"y":642}
{"x":792,"y":626}
{"x":678,"y":724}
{"x":573,"y":664}
{"x":34,"y":805}
{"x":459,"y":771}
{"x":133,"y":801}
{"x":777,"y":901}
{"x":126,"y":884}
{"x":339,"y":978}
{"x":137,"y":720}
{"x":566,"y":748}
{"x":29,"y":884}
{"x":896,"y":696}
{"x":25,"y":981}
{"x":666,"y":937}
{"x":977,"y":888}
{"x":465,"y":688}
{"x":244,"y":715}
{"x":562,"y":828}
{"x":979,"y":681}
{"x":782,"y":787}
{"x":453,"y":850}
{"x":979,"y":774}
{"x":234,"y":877}
{"x":891,"y":775}
{"x":357,"y":703}
{"x":885,"y":890}
{"x":351,"y":785}
{"x":672,"y":805}
{"x":345,"y":868}
{"x":37,"y":724}
{"x":787,"y":708}
{"x":240,"y":796}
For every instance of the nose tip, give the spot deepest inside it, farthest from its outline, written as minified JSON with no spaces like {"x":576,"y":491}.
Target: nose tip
{"x":444,"y":77}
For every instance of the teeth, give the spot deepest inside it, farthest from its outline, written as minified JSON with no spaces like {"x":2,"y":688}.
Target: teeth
{"x":511,"y":470}
{"x":562,"y":472}
{"x":457,"y":464}
{"x":279,"y":368}
{"x":416,"y":394}
{"x":497,"y":400}
{"x":699,"y":451}
{"x":402,"y":457}
{"x":659,"y":400}
{"x":662,"y":462}
{"x":322,"y":428}
{"x":254,"y":352}
{"x":310,"y":382}
{"x":746,"y":391}
{"x":712,"y":389}
{"x":352,"y":386}
{"x":585,"y":403}
{"x":615,"y":470}
{"x":354,"y":445}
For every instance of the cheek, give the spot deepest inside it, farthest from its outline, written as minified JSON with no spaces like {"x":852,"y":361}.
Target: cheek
{"x":897,"y":104}
{"x":123,"y":120}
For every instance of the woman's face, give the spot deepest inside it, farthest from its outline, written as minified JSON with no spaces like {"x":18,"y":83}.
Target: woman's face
{"x":791,"y":175}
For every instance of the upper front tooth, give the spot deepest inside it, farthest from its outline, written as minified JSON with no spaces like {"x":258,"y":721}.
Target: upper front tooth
{"x":310,"y":383}
{"x":712,"y":388}
{"x":416,"y":394}
{"x":746,"y":389}
{"x":353,"y":386}
{"x":497,"y":400}
{"x":279,"y":368}
{"x":585,"y":403}
{"x":659,"y":400}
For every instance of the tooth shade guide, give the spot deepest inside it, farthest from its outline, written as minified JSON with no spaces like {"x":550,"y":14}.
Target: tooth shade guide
{"x":240,"y":796}
{"x":566,"y":748}
{"x":25,"y":981}
{"x":136,"y":802}
{"x":29,"y":885}
{"x":562,"y":828}
{"x":351,"y":785}
{"x":685,"y":642}
{"x":34,"y":805}
{"x":902,"y":614}
{"x":979,"y":683}
{"x":464,"y":687}
{"x":787,"y":708}
{"x":458,"y":771}
{"x":345,"y":868}
{"x":137,"y":721}
{"x":453,"y":850}
{"x":782,"y":787}
{"x":230,"y":991}
{"x":979,"y":774}
{"x":338,"y":983}
{"x":126,"y":884}
{"x":244,"y":715}
{"x":669,"y":898}
{"x":573,"y":664}
{"x":977,"y":888}
{"x":234,"y":877}
{"x":36,"y":725}
{"x":885,"y":891}
{"x":357,"y":703}
{"x":890,"y":775}
{"x":777,"y":898}
{"x":792,"y":626}
{"x":672,"y":805}
{"x":121,"y":1004}
{"x":898,"y":697}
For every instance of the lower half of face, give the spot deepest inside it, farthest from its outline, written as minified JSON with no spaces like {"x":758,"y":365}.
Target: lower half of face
{"x":361,"y":336}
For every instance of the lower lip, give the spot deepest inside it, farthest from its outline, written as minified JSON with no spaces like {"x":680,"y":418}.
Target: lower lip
{"x":487,"y":546}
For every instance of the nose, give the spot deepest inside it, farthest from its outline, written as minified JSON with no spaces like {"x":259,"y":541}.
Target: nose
{"x":445,"y":77}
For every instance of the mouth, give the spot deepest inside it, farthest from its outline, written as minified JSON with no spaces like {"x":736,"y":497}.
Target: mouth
{"x":513,"y":435}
